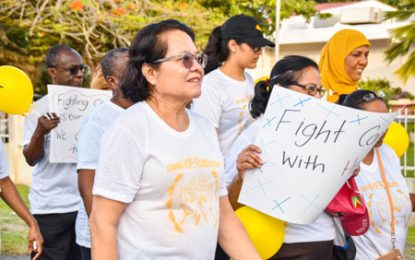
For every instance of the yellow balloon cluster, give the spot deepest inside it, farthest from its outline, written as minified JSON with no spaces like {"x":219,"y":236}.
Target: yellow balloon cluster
{"x":397,"y":138}
{"x":266,"y":232}
{"x":16,"y":90}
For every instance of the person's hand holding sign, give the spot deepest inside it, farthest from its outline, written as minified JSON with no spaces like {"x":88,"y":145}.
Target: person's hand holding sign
{"x":47,"y":122}
{"x":247,"y":159}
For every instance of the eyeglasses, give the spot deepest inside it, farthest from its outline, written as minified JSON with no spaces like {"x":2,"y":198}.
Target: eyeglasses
{"x":187,"y":59}
{"x":74,"y":69}
{"x":311,"y":89}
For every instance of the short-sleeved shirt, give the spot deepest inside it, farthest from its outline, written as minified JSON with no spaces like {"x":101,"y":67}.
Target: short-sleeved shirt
{"x":4,"y":167}
{"x":171,"y":181}
{"x":322,"y":229}
{"x":224,"y":102}
{"x":54,"y":187}
{"x":377,"y":240}
{"x":89,"y":140}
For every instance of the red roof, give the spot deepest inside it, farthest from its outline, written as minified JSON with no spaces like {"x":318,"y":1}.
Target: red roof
{"x":325,"y":6}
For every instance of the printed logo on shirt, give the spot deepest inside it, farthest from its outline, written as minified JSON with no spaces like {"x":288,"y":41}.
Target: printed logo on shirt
{"x":192,"y":163}
{"x":193,"y":196}
{"x":378,"y":205}
{"x":243,"y":105}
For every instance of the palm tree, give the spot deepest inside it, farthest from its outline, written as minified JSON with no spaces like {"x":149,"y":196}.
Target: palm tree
{"x":403,"y":40}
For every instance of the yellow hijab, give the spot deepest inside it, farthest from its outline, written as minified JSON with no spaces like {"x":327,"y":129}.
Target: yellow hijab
{"x":333,"y":75}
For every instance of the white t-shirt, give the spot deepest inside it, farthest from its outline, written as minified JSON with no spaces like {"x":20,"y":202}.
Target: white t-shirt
{"x":224,"y":102}
{"x":170,"y":180}
{"x":90,"y":134}
{"x":322,"y":229}
{"x":377,"y":240}
{"x":4,"y":167}
{"x":54,"y":187}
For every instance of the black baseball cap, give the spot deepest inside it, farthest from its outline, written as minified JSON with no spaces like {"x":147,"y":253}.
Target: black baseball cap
{"x":243,"y":28}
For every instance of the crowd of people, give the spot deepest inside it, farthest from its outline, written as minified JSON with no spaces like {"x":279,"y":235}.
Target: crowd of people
{"x":161,"y":164}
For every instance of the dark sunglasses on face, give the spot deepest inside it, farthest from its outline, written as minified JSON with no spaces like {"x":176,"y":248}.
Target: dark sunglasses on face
{"x":311,"y":89}
{"x":369,"y":97}
{"x":187,"y":59}
{"x":255,"y":49}
{"x":74,"y":69}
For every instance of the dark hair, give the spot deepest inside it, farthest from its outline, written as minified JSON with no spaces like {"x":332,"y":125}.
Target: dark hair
{"x":359,"y":98}
{"x":147,"y":47}
{"x":284,"y":73}
{"x":216,"y":49}
{"x":109,"y":61}
{"x":54,"y":51}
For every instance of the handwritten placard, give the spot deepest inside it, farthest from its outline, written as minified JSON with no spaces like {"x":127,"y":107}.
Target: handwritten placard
{"x":310,"y":147}
{"x":72,"y":105}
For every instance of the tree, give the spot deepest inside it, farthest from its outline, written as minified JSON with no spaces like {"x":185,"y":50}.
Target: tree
{"x":262,"y":10}
{"x":29,"y":27}
{"x":403,"y":40}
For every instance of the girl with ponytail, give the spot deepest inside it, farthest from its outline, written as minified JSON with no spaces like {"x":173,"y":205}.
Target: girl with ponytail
{"x":227,"y":88}
{"x":298,"y":73}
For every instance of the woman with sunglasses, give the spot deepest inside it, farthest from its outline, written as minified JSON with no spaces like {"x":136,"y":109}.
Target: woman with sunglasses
{"x":159,"y":190}
{"x":384,"y":190}
{"x":227,"y":88}
{"x":298,"y":73}
{"x":342,"y":62}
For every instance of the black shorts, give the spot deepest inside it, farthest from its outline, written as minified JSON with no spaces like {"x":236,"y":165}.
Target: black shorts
{"x":58,"y":231}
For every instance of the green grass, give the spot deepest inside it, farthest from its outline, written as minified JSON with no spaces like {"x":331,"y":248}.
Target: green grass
{"x":410,"y":161}
{"x":13,"y":231}
{"x":410,"y":243}
{"x":410,"y":238}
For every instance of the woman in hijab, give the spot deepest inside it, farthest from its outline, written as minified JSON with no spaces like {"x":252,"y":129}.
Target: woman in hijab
{"x":342,"y":62}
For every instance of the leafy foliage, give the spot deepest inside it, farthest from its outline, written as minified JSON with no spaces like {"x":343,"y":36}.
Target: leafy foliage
{"x":383,"y":87}
{"x":403,"y":40}
{"x":29,"y":27}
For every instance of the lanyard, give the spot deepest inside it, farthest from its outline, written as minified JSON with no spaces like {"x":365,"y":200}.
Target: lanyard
{"x":385,"y":184}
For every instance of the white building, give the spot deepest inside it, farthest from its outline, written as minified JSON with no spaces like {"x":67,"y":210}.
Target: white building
{"x":297,"y":36}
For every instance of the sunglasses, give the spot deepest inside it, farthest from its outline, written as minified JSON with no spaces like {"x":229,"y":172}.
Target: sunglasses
{"x":74,"y":69}
{"x":255,"y":49}
{"x":369,"y":97}
{"x":311,"y":89}
{"x":187,"y":59}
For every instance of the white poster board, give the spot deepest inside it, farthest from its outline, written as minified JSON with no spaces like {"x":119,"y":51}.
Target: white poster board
{"x":310,"y":147}
{"x":71,"y":104}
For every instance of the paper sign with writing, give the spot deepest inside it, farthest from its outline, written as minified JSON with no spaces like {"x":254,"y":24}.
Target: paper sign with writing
{"x":310,"y":147}
{"x":71,"y":104}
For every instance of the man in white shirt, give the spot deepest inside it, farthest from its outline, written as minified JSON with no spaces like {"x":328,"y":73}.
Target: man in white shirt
{"x":53,"y":196}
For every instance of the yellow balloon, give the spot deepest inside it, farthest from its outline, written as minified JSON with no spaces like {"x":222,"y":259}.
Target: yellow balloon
{"x":397,"y":138}
{"x":266,"y":232}
{"x":16,"y":90}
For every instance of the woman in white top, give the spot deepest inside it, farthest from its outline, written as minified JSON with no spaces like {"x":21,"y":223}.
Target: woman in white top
{"x":89,"y":140}
{"x":227,"y":88}
{"x":385,"y":193}
{"x":159,"y":190}
{"x":298,"y":73}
